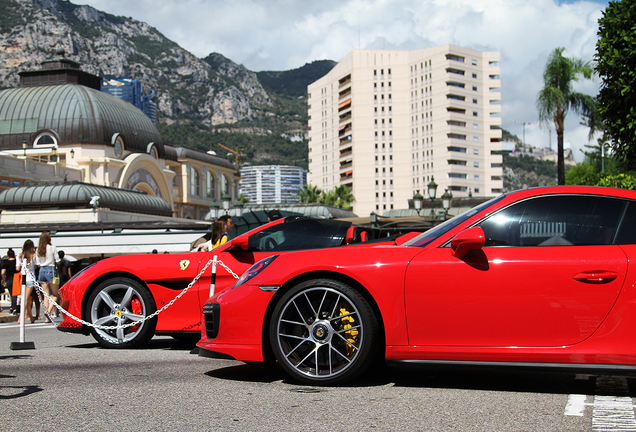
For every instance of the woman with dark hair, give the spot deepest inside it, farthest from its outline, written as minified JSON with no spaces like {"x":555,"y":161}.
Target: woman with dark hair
{"x":8,"y":270}
{"x":46,"y":259}
{"x":218,"y":238}
{"x":26,"y":265}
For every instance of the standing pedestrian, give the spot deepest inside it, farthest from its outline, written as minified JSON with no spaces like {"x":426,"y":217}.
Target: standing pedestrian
{"x":26,"y":266}
{"x":46,"y":259}
{"x":63,"y":269}
{"x":8,"y":270}
{"x":229,"y":224}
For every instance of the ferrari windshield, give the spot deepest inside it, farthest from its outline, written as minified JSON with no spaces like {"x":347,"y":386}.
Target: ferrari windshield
{"x":430,"y":235}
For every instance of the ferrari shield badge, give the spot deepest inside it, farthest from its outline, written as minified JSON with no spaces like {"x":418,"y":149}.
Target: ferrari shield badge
{"x":184,"y":264}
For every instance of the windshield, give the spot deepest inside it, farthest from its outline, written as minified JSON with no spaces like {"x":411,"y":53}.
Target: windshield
{"x":441,"y":229}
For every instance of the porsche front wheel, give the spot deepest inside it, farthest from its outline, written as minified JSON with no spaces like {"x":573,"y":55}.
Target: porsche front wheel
{"x":120,"y":301}
{"x":324,"y":332}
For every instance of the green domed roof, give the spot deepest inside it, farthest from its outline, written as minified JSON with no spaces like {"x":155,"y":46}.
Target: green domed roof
{"x":76,"y":114}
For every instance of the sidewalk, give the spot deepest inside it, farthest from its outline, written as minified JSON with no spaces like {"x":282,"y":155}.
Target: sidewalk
{"x":4,"y":315}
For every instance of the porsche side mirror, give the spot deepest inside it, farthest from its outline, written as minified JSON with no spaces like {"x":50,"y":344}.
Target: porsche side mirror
{"x":472,"y":238}
{"x":241,"y":242}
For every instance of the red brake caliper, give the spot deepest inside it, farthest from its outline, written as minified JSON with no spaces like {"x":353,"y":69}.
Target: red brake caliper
{"x":135,"y":305}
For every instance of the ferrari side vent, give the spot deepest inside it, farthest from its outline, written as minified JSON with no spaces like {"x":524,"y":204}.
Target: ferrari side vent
{"x":211,"y":314}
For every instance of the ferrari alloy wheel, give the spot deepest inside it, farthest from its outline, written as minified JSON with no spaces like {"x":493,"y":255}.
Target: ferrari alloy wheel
{"x":117,"y":302}
{"x":324,"y":332}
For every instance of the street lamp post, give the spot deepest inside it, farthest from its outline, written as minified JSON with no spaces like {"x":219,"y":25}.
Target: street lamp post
{"x":239,"y":208}
{"x":373,"y":218}
{"x":225,"y":199}
{"x":417,"y":202}
{"x":447,"y":197}
{"x":214,"y":211}
{"x":432,"y":191}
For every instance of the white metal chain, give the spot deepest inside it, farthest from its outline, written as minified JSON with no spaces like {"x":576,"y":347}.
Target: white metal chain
{"x":132,"y":323}
{"x":228,"y":269}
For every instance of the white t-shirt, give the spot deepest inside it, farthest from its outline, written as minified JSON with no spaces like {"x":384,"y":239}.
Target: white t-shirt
{"x":50,"y":258}
{"x":22,"y":266}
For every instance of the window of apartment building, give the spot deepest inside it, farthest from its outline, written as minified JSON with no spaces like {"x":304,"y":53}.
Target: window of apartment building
{"x":476,"y":151}
{"x":474,"y":62}
{"x":474,"y":88}
{"x":389,"y":108}
{"x":375,"y":86}
{"x":474,"y":100}
{"x":475,"y":114}
{"x":476,"y":164}
{"x":375,"y":72}
{"x":474,"y":75}
{"x":457,"y":149}
{"x":475,"y":139}
{"x":456,"y":175}
{"x":475,"y":126}
{"x":476,"y":177}
{"x":495,"y":178}
{"x":381,"y":71}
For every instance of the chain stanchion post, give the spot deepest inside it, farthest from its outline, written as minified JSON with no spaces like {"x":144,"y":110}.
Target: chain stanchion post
{"x":22,"y":345}
{"x":215,"y":260}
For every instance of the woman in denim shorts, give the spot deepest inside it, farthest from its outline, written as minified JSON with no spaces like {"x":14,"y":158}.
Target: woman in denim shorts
{"x":46,"y":255}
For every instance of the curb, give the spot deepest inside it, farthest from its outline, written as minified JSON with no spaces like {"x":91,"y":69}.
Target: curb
{"x":6,"y":318}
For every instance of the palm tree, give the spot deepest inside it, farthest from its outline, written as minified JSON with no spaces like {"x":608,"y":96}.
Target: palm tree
{"x":557,"y":97}
{"x":344,"y":197}
{"x":309,"y":194}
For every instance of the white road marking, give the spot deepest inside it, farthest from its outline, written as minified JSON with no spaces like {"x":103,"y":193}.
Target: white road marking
{"x":609,"y":413}
{"x":576,"y":405}
{"x":28,"y":326}
{"x":613,"y":413}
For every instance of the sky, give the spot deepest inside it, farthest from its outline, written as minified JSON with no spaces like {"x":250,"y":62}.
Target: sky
{"x":285,"y":34}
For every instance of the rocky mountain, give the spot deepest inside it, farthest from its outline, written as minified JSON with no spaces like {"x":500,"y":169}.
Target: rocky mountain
{"x":209,"y":93}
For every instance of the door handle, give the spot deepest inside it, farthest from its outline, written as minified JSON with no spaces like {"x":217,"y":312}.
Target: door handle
{"x":596,"y":277}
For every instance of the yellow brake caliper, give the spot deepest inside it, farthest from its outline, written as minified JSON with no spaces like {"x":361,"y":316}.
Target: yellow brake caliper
{"x":352,"y":334}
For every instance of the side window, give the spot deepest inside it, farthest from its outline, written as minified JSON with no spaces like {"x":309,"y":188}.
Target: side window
{"x":555,"y":221}
{"x":299,"y":235}
{"x":626,"y":232}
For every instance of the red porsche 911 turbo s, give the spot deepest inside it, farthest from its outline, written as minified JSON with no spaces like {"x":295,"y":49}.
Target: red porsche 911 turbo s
{"x":114,"y":295}
{"x":540,"y":277}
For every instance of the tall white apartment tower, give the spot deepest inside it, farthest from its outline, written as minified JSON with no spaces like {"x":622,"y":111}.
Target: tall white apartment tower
{"x":385,"y":123}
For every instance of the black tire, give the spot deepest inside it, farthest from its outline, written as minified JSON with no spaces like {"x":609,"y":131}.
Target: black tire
{"x":323,"y":332}
{"x":119,"y":301}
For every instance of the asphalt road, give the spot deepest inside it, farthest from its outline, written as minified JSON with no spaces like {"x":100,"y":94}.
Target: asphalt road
{"x":69,"y":383}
